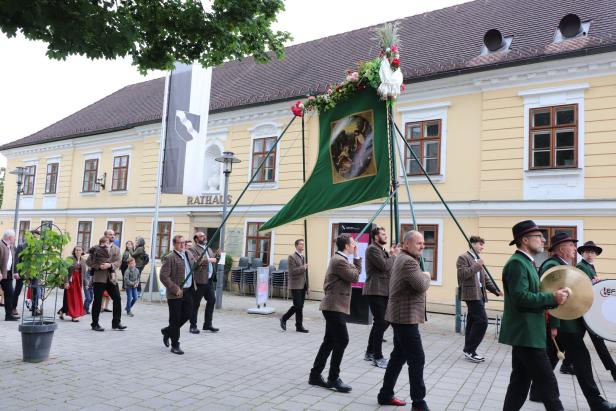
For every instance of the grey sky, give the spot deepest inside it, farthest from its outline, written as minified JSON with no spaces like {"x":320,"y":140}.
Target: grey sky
{"x":37,"y":91}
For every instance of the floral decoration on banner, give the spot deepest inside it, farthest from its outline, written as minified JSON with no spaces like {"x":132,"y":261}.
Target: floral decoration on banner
{"x":382,"y":73}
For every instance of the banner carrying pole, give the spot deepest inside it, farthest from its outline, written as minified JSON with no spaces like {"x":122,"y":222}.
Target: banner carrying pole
{"x":224,"y":220}
{"x":394,"y":171}
{"x":159,"y":171}
{"x":423,"y":170}
{"x":304,"y":180}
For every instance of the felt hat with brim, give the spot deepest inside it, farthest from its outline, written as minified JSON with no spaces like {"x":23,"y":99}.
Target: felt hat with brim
{"x":523,"y":228}
{"x":560,"y":238}
{"x":590,"y":246}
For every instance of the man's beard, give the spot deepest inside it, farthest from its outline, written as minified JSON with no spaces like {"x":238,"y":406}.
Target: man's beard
{"x":382,"y":242}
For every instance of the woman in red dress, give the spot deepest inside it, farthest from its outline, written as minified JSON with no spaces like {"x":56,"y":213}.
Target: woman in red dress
{"x":73,"y":288}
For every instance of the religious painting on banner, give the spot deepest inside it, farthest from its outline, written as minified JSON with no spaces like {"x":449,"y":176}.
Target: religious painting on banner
{"x":353,"y":161}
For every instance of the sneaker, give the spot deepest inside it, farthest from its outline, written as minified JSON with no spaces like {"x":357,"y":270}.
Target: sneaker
{"x":130,"y":314}
{"x":479,"y":357}
{"x":471,"y":357}
{"x":380,"y":362}
{"x":369,"y":357}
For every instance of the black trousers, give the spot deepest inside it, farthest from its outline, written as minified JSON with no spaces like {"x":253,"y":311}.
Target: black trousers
{"x":602,"y":351}
{"x":476,"y":325}
{"x":578,"y":355}
{"x":19,"y":285}
{"x":407,"y":349}
{"x":378,"y":306}
{"x":180,"y":310}
{"x":114,"y":294}
{"x":205,"y":291}
{"x":7,"y":289}
{"x":334,"y":342}
{"x":297,"y":308}
{"x":531,"y":364}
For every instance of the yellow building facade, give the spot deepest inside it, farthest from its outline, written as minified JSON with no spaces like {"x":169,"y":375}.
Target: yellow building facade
{"x":536,"y":141}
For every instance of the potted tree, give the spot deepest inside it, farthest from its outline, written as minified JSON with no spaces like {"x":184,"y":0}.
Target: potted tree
{"x":44,"y":270}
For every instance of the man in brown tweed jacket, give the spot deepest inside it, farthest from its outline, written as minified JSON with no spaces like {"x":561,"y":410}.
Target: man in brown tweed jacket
{"x":406,"y":309}
{"x":180,"y":291}
{"x":376,"y":289}
{"x":473,"y":284}
{"x":297,"y":285}
{"x":336,"y":306}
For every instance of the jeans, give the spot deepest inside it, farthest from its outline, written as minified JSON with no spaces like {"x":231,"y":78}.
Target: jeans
{"x":407,"y":349}
{"x":531,"y":364}
{"x":335,"y":341}
{"x":180,"y":310}
{"x":476,"y":325}
{"x":297,"y":308}
{"x":203,"y":291}
{"x":131,"y":297}
{"x":378,"y":306}
{"x":89,"y":296}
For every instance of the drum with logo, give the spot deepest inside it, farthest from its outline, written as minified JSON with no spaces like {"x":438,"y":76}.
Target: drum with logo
{"x":601,"y":318}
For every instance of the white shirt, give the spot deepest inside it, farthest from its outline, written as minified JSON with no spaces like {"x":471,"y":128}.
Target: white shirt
{"x":186,"y":268}
{"x":9,"y":261}
{"x":210,"y":269}
{"x":478,"y":272}
{"x":528,"y":255}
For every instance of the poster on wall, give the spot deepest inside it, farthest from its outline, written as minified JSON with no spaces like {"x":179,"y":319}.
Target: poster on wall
{"x":362,"y":244}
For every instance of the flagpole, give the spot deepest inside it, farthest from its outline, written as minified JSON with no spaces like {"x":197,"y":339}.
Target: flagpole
{"x":305,"y":220}
{"x":152,"y":286}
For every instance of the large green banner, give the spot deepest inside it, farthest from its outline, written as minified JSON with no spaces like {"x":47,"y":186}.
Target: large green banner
{"x":353,"y":162}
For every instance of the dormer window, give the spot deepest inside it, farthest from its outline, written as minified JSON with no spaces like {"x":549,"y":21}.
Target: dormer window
{"x":494,"y":41}
{"x":571,"y":27}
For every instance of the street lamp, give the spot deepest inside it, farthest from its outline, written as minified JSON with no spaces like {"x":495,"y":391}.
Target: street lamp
{"x":227,"y":160}
{"x":19,"y":172}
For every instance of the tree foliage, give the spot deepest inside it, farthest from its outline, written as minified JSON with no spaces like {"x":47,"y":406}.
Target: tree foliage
{"x":41,"y":259}
{"x":154,"y":33}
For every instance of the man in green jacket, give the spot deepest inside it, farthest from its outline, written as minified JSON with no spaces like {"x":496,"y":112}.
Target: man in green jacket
{"x":523,"y":325}
{"x":571,"y":332}
{"x":562,"y":248}
{"x":589,"y":251}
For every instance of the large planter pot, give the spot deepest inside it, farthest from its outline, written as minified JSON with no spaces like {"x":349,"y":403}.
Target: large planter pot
{"x":36,"y":340}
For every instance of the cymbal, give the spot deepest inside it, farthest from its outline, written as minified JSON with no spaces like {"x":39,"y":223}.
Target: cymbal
{"x":581,"y":296}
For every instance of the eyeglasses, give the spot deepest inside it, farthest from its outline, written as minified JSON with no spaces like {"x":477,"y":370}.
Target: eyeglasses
{"x":535,"y":235}
{"x":180,"y":242}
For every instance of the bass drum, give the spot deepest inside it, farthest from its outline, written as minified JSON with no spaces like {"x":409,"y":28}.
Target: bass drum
{"x":601,"y":318}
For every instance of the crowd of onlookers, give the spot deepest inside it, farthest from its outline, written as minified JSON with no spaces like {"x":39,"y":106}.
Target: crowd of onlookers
{"x":78,"y":288}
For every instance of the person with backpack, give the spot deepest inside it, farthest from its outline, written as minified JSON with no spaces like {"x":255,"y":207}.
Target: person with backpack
{"x":141,"y":259}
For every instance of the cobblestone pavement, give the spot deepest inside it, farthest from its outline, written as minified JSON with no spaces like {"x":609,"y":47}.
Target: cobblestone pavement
{"x":250,"y":365}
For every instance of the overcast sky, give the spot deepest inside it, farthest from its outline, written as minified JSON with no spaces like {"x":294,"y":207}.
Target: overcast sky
{"x":37,"y":92}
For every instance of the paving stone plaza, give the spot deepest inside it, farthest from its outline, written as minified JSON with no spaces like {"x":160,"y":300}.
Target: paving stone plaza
{"x":251,"y":364}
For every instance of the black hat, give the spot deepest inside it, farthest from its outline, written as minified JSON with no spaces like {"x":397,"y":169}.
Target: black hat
{"x":590,"y":246}
{"x":559,"y":238}
{"x":522,"y":228}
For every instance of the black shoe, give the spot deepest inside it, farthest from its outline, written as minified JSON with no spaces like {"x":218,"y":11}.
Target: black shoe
{"x":339,"y":386}
{"x":369,"y":357}
{"x":97,"y":328}
{"x":283,"y":324}
{"x":317,"y":380}
{"x":119,"y":327}
{"x":106,"y":310}
{"x":301,"y":330}
{"x":210,"y":328}
{"x":194,"y":330}
{"x":567,"y":369}
{"x":165,"y":337}
{"x":11,"y":318}
{"x":177,"y":350}
{"x":603,"y":406}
